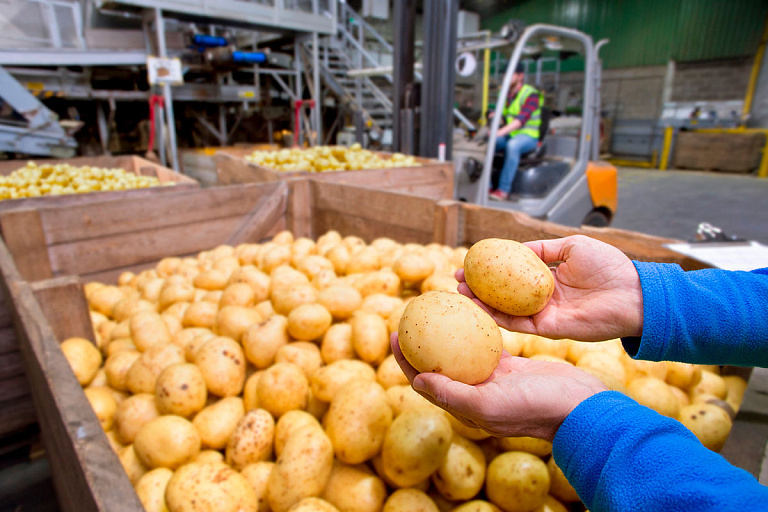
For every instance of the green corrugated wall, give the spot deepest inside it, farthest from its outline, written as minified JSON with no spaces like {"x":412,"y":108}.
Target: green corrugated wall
{"x":651,"y":32}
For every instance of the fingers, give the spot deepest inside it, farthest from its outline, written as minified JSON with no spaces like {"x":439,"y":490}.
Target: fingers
{"x":549,"y":251}
{"x":459,"y":275}
{"x":409,"y":371}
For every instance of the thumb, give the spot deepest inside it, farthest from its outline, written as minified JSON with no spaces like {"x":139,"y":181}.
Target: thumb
{"x":442,"y":391}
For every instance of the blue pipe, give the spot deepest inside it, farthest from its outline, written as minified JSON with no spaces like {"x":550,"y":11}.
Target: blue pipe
{"x":209,"y":41}
{"x":249,"y":57}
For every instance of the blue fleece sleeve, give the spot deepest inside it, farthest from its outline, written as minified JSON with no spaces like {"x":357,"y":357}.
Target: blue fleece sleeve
{"x":622,"y":456}
{"x":710,"y":316}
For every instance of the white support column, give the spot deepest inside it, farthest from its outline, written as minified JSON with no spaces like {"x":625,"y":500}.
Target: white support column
{"x":317,"y":111}
{"x":167,"y":95}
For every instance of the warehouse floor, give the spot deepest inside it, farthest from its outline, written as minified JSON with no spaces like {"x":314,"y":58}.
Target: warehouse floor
{"x":669,"y":204}
{"x":673,"y":203}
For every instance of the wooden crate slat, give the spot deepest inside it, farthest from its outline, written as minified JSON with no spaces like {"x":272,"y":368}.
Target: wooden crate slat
{"x":12,"y":388}
{"x":8,"y":341}
{"x":65,"y":307}
{"x":326,"y":220}
{"x":301,"y":203}
{"x":262,"y":217}
{"x":108,"y":252}
{"x":115,"y":217}
{"x":16,"y":415}
{"x":406,"y":212}
{"x":11,"y":364}
{"x":86,"y":476}
{"x":24,"y":235}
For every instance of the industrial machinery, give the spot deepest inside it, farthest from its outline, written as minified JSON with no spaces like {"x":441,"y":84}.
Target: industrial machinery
{"x":562,"y":180}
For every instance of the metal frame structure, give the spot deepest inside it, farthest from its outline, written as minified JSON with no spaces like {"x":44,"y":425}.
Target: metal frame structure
{"x":556,"y":204}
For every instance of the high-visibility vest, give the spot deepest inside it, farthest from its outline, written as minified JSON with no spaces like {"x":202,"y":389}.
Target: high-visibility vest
{"x":531,"y":128}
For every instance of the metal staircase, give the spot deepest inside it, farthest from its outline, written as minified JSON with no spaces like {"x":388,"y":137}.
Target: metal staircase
{"x":356,"y":45}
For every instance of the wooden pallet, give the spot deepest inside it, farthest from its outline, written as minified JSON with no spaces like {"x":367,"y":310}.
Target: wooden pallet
{"x":49,"y":252}
{"x":433,"y":179}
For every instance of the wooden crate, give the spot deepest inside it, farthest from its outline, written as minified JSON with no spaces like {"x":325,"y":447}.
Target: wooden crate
{"x":433,"y":179}
{"x":731,"y":152}
{"x":201,"y":165}
{"x":49,"y":252}
{"x":16,"y":410}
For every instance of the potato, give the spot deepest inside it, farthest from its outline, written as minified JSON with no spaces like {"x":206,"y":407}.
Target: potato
{"x":216,"y":422}
{"x":409,"y":500}
{"x":253,"y":277}
{"x":262,"y":341}
{"x":120,"y":345}
{"x":209,"y":487}
{"x":354,"y":488}
{"x":517,"y":481}
{"x":222,"y":363}
{"x":104,"y":405}
{"x":402,"y":398}
{"x":213,"y":279}
{"x":576,"y":349}
{"x":383,"y":281}
{"x":447,"y":333}
{"x":552,"y":505}
{"x":439,"y":282}
{"x":710,"y":423}
{"x":132,"y":466}
{"x":393,"y":321}
{"x":303,"y":354}
{"x":339,"y":256}
{"x":129,"y":307}
{"x":288,"y":298}
{"x":736,"y":386}
{"x":99,"y":380}
{"x":209,"y":456}
{"x":560,"y":488}
{"x":151,"y":489}
{"x":168,"y":442}
{"x":337,"y":343}
{"x":274,"y":257}
{"x":712,"y":384}
{"x":313,"y":505}
{"x":258,"y":476}
{"x":250,"y":395}
{"x":282,"y":388}
{"x":302,"y":470}
{"x":390,"y":374}
{"x":150,"y":291}
{"x":180,"y":390}
{"x":471,"y":433}
{"x":291,"y":422}
{"x":200,"y":314}
{"x":357,"y":421}
{"x":370,"y":337}
{"x":381,"y":304}
{"x":538,"y":447}
{"x":324,"y":279}
{"x":637,"y":369}
{"x":132,"y":414}
{"x":172,"y":293}
{"x":121,"y":330}
{"x":142,"y":375}
{"x":461,"y":473}
{"x":84,"y":358}
{"x":654,"y":393}
{"x":610,"y":380}
{"x":237,"y":294}
{"x":415,"y":445}
{"x":265,"y":309}
{"x":535,"y":345}
{"x":340,"y":300}
{"x":232,"y":321}
{"x":252,"y":439}
{"x":104,"y":298}
{"x":191,"y":347}
{"x":148,"y":329}
{"x":681,"y":396}
{"x":477,"y":506}
{"x":508,"y":276}
{"x":312,"y":264}
{"x":363,"y":261}
{"x":603,"y":362}
{"x":328,"y":380}
{"x":413,"y":268}
{"x":309,"y":322}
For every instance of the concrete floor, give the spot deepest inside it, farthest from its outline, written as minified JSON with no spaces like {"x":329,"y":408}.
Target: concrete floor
{"x":673,"y":203}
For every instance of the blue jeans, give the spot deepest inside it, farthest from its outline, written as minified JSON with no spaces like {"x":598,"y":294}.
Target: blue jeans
{"x":513,"y":147}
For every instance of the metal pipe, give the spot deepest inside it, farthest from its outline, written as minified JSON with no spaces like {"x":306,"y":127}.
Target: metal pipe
{"x":486,"y":80}
{"x":170,"y":119}
{"x":317,"y":112}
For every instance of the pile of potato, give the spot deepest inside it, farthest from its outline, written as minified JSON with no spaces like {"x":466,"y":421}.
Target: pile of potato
{"x":35,"y":180}
{"x":328,"y":158}
{"x":259,"y":377}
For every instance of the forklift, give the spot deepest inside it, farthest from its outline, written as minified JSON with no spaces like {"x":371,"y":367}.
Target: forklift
{"x":562,"y":179}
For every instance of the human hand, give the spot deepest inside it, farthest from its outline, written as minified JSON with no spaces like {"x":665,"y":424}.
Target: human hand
{"x":597,"y":293}
{"x":522,"y":397}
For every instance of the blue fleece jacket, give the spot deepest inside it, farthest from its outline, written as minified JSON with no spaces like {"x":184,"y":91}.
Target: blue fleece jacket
{"x":621,"y":456}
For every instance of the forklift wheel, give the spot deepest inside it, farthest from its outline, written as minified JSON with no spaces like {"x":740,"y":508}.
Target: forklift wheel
{"x":597,"y":218}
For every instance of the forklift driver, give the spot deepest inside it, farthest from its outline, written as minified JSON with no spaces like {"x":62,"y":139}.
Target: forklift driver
{"x":520,"y":134}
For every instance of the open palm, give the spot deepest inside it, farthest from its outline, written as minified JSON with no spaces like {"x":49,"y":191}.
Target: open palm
{"x":597,"y":293}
